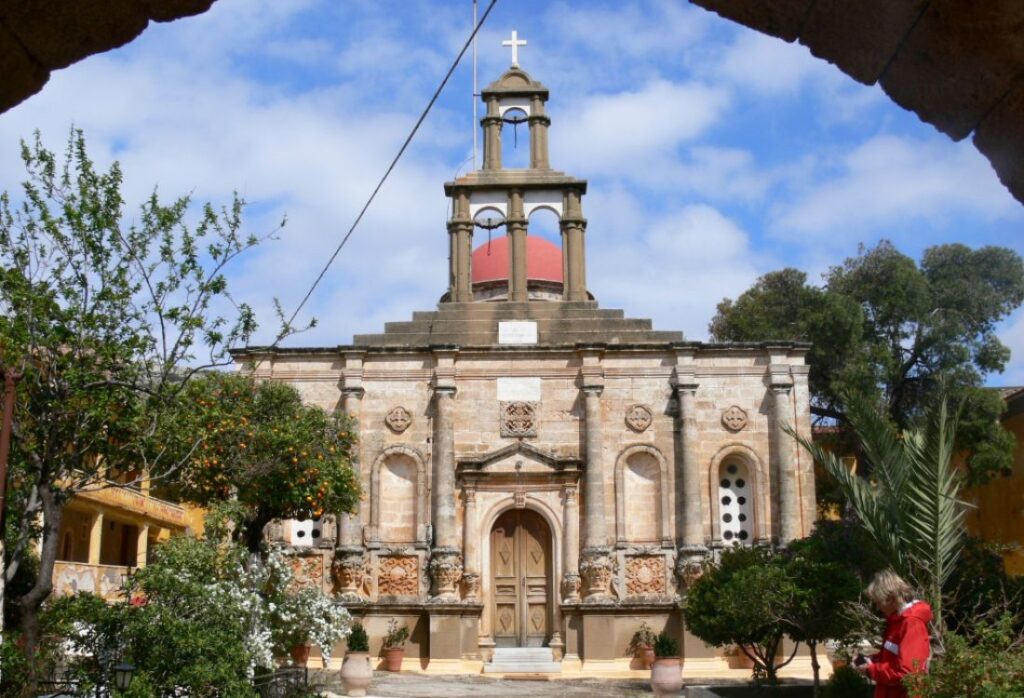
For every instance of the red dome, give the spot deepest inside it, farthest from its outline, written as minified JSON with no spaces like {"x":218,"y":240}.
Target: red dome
{"x":543,"y":260}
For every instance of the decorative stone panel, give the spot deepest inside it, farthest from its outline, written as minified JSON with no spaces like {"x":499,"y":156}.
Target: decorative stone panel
{"x":645,"y":575}
{"x":307,"y":571}
{"x":519,"y":419}
{"x":398,"y":575}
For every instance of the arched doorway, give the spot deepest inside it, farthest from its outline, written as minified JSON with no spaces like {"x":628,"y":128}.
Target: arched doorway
{"x":521,"y":569}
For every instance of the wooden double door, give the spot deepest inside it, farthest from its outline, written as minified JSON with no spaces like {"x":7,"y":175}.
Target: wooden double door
{"x":521,"y":579}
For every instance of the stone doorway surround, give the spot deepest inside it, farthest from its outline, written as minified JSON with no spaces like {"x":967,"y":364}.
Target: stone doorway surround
{"x":521,"y":476}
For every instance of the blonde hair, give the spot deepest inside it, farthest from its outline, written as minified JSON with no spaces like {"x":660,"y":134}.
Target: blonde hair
{"x":888,"y":588}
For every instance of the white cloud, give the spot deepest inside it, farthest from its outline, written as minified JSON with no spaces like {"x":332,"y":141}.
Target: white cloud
{"x":606,"y":133}
{"x":890,"y":182}
{"x":770,"y":66}
{"x":676,"y":267}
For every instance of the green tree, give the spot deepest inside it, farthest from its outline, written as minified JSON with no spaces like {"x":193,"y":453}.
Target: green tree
{"x":742,"y":601}
{"x":263,"y":450}
{"x":107,"y":320}
{"x":885,"y":326}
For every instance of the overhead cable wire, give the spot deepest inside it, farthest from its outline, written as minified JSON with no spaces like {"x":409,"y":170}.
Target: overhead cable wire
{"x":383,"y":179}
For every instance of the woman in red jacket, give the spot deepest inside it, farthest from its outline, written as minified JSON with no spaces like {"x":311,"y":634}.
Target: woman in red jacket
{"x":905,"y":644}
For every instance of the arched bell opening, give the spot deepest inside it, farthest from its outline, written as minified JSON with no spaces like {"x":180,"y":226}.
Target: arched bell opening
{"x":515,"y":139}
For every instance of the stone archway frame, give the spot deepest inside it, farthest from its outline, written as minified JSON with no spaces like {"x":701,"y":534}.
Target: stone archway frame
{"x":760,"y":508}
{"x":554,"y":521}
{"x":621,"y":462}
{"x":421,"y":492}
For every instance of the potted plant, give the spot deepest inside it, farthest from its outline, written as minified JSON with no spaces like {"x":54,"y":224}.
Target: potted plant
{"x":737,"y":658}
{"x":394,"y":645}
{"x":667,"y":670}
{"x":642,"y":646}
{"x":356,"y":672}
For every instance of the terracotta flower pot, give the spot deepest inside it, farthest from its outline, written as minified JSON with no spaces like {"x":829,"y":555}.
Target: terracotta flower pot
{"x":393,"y":658}
{"x":300,"y":654}
{"x":667,"y":676}
{"x":356,"y":673}
{"x":645,"y":655}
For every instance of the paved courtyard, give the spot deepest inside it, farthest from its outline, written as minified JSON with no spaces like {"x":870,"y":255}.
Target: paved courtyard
{"x":389,"y":685}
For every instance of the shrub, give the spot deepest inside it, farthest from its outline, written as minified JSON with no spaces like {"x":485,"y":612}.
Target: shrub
{"x":990,"y":666}
{"x":396,"y":636}
{"x":665,"y":646}
{"x":847,"y":682}
{"x":358,"y":641}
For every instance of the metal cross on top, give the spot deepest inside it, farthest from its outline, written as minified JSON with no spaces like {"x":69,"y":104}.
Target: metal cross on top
{"x":515,"y":42}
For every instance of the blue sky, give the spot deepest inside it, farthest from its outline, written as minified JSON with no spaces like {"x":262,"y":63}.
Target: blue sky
{"x":714,"y":154}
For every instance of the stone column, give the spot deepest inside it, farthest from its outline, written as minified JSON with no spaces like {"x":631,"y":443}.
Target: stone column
{"x":573,"y":225}
{"x":492,"y":136}
{"x":571,"y":545}
{"x":460,"y":232}
{"x":445,"y":562}
{"x":470,"y":545}
{"x":96,"y":538}
{"x":789,"y":505}
{"x":692,"y":551}
{"x":142,"y":545}
{"x":596,"y":564}
{"x":516,"y":223}
{"x":539,"y":124}
{"x":350,"y":533}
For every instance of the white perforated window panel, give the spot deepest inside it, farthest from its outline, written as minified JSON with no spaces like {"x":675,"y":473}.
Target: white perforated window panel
{"x":734,"y":506}
{"x":304,"y":533}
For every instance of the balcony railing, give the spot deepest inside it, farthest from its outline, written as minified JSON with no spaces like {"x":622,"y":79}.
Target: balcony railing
{"x":137,"y":503}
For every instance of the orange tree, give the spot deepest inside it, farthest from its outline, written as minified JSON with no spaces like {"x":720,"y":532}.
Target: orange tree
{"x":256,"y":445}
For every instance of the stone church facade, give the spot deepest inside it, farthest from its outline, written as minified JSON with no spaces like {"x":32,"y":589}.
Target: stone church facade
{"x":540,"y":472}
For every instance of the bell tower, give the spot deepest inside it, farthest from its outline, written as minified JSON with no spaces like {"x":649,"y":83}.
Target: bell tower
{"x":495,"y":197}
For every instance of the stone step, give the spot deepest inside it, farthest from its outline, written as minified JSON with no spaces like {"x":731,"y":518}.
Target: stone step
{"x":490,"y":338}
{"x":522,"y":660}
{"x":445,"y":326}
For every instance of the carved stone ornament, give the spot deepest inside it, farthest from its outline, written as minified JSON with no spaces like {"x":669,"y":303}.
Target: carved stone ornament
{"x":518,"y":419}
{"x":645,"y":575}
{"x":597,"y":573}
{"x":689,"y":570}
{"x":471,"y":586}
{"x":398,"y":576}
{"x":571,"y":587}
{"x":638,"y":418}
{"x":349,"y":571}
{"x":398,"y":419}
{"x":734,"y":418}
{"x":446,"y":572}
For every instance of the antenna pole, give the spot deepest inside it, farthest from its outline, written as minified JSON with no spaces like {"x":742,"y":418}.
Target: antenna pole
{"x":475,"y":119}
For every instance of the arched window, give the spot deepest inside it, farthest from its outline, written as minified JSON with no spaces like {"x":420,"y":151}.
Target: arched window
{"x":515,"y":139}
{"x":735,"y":503}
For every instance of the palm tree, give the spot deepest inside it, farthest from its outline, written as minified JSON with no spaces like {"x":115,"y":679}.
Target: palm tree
{"x":910,"y":506}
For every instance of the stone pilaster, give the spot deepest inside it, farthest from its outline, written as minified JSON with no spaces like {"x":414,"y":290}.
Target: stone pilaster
{"x":539,"y":124}
{"x":470,"y":545}
{"x":789,"y":504}
{"x":571,"y":545}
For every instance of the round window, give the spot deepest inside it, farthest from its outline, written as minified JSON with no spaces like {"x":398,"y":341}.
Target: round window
{"x":732,"y":469}
{"x":741,"y":483}
{"x":726,"y":483}
{"x":726,"y":501}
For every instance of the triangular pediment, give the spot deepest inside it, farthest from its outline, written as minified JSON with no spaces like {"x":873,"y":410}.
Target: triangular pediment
{"x":519,"y":457}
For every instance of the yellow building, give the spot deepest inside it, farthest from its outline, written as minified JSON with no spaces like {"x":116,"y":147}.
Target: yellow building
{"x":109,"y":529}
{"x":998,"y":516}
